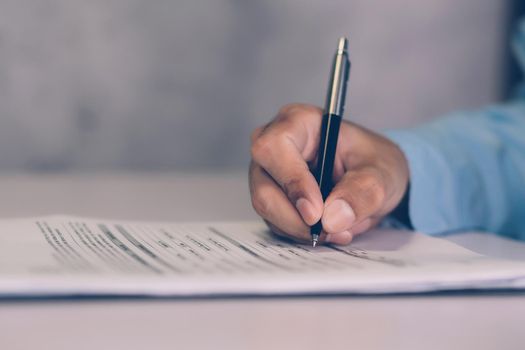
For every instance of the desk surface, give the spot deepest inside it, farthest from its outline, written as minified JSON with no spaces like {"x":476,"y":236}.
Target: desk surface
{"x":420,"y":322}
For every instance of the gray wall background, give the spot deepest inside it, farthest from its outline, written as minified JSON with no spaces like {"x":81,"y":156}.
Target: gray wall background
{"x":156,"y":84}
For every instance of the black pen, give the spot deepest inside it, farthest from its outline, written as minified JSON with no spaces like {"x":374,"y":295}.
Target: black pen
{"x":332,"y":115}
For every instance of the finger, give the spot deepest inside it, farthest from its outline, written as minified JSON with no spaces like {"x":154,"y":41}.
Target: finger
{"x":341,"y":238}
{"x":301,"y":239}
{"x":270,"y":202}
{"x":298,"y":122}
{"x":283,"y":149}
{"x":345,"y":237}
{"x":360,"y":194}
{"x":364,"y":225}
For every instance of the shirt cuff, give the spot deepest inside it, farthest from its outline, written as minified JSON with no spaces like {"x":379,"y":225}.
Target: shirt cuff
{"x":426,"y":200}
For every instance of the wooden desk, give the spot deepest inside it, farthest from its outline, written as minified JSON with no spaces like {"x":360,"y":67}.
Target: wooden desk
{"x":418,"y":322}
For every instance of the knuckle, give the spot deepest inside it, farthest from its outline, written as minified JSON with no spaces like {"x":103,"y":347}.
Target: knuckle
{"x":255,"y":133}
{"x":261,"y":147}
{"x":268,"y":145}
{"x":294,"y":111}
{"x":289,"y":109}
{"x":260,"y":203}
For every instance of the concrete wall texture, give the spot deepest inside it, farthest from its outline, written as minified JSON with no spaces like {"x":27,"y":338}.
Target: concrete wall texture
{"x":109,"y":84}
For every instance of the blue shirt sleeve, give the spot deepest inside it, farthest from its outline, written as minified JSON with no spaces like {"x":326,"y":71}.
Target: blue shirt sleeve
{"x":467,"y":171}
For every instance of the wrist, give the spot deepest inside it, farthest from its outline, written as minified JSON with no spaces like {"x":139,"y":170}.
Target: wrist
{"x":401,"y":213}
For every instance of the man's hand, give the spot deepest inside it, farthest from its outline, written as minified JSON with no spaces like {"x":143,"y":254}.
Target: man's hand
{"x":370,"y":177}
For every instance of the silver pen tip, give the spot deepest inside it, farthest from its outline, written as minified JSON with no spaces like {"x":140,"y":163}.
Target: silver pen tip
{"x":315,"y":239}
{"x":343,"y":45}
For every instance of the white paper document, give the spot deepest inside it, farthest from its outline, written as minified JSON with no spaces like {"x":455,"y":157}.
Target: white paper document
{"x":64,"y":256}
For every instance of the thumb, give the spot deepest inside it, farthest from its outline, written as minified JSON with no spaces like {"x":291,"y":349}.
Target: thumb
{"x":358,"y":196}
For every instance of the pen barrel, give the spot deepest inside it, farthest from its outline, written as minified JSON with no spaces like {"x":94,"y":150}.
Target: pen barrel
{"x":334,"y":107}
{"x":335,"y":99}
{"x":326,"y":153}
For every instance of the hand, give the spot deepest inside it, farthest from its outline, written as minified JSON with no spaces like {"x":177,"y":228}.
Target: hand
{"x":370,"y":177}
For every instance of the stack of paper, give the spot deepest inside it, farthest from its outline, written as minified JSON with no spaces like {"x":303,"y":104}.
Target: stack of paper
{"x":63,"y":256}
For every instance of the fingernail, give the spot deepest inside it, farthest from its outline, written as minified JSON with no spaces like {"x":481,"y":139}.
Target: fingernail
{"x":339,"y":238}
{"x":306,"y":209}
{"x":338,"y":216}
